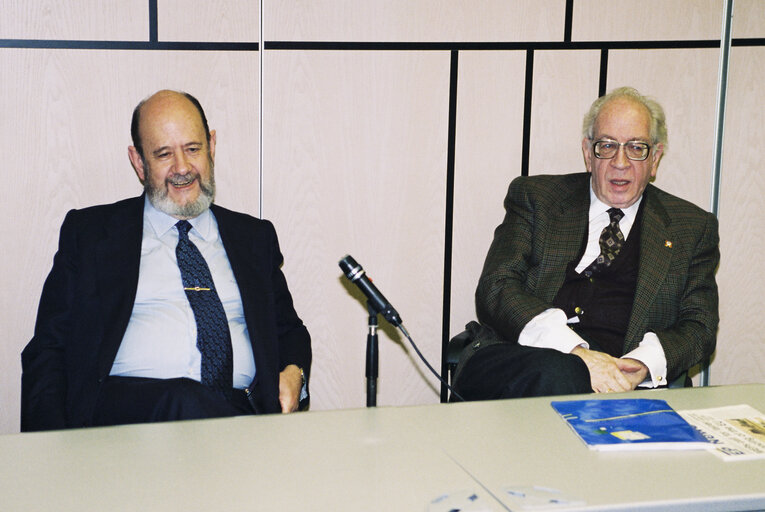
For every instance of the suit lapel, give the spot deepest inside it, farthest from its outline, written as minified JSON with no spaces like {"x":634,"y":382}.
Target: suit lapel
{"x":566,"y":232}
{"x":243,"y":256}
{"x":654,"y":264}
{"x":117,"y":260}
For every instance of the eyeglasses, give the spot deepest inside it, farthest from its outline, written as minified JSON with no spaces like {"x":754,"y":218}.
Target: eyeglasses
{"x":634,"y":149}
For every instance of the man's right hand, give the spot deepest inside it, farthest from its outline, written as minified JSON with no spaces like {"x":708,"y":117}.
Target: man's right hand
{"x":606,"y":374}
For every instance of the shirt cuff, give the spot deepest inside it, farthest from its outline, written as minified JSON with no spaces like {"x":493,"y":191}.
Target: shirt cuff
{"x":304,"y":387}
{"x":651,"y":353}
{"x":549,"y":330}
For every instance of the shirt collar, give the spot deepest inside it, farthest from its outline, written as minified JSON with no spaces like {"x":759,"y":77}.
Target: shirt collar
{"x":598,"y":207}
{"x":161,"y":222}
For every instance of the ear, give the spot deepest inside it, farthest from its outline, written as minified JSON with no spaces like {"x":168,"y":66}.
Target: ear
{"x":212,"y":145}
{"x":587,"y":154}
{"x":656,"y":155}
{"x":137,"y":162}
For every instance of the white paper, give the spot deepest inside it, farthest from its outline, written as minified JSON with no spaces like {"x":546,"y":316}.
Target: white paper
{"x":736,"y":432}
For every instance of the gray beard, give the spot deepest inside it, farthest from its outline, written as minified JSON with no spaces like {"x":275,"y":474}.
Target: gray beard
{"x":161,"y":201}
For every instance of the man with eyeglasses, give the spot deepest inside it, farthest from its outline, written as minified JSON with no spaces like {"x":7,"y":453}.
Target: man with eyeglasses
{"x":597,"y":281}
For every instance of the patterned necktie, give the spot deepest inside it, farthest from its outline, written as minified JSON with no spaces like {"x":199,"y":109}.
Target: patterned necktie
{"x":213,"y":336}
{"x":611,"y":242}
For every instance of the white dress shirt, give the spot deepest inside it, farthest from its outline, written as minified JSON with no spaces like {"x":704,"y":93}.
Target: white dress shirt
{"x":549,"y":329}
{"x":161,"y":337}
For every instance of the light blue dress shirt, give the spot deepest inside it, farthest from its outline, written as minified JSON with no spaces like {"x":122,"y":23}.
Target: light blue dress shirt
{"x":161,"y":337}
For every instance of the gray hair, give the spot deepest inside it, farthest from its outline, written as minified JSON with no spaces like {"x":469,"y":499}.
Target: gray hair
{"x":656,"y":112}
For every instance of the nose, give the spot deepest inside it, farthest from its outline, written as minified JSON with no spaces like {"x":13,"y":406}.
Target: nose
{"x":620,"y":160}
{"x":182,"y":165}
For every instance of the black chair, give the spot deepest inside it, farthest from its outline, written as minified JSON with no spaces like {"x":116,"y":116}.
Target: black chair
{"x":458,"y":343}
{"x":453,"y":352}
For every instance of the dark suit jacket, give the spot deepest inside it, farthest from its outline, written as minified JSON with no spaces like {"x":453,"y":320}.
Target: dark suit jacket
{"x":88,"y":297}
{"x":545,"y":223}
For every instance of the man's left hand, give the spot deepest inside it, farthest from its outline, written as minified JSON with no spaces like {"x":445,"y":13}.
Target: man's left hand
{"x":290,"y":384}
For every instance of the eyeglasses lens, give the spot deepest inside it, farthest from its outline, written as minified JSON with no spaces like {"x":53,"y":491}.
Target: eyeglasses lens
{"x":633,"y":149}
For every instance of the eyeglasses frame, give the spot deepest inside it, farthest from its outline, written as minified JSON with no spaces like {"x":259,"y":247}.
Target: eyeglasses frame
{"x":620,"y":145}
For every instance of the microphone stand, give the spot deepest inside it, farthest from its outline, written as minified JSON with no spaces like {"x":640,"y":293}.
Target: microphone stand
{"x":372,"y":359}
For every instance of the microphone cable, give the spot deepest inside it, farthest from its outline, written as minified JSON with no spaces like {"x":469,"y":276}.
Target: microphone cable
{"x":417,"y":350}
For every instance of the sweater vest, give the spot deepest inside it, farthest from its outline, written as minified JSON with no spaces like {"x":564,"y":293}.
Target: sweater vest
{"x":603,"y":303}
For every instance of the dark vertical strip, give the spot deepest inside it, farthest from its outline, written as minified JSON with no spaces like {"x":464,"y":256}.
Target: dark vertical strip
{"x":153,"y":30}
{"x":603,"y":72}
{"x":569,"y":20}
{"x":449,"y":218}
{"x":527,"y":112}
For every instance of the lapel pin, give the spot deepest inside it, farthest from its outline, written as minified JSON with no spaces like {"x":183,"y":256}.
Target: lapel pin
{"x":667,"y":243}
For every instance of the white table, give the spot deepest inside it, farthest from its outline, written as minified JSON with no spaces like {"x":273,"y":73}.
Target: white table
{"x":527,"y":444}
{"x":391,"y":459}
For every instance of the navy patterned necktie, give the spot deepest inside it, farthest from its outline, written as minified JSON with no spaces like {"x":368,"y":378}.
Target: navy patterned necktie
{"x":213,"y":336}
{"x":611,"y":242}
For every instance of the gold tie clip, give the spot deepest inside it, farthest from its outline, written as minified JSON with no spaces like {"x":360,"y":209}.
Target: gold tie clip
{"x":197,"y":289}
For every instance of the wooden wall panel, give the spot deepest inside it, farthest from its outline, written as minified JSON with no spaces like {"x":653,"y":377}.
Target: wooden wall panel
{"x":748,"y":19}
{"x":354,"y":161}
{"x":487,"y":157}
{"x":741,"y":341}
{"x":424,"y":20}
{"x":565,"y":84}
{"x":682,"y":81}
{"x":69,"y":150}
{"x":112,"y":20}
{"x":647,"y":20}
{"x":201,"y":20}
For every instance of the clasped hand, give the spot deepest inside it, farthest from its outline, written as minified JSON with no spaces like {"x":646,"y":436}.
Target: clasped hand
{"x":611,"y":374}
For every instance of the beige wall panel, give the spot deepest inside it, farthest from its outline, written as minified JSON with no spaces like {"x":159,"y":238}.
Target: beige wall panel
{"x":354,"y":161}
{"x":66,"y":147}
{"x":740,"y":353}
{"x":748,"y":18}
{"x":404,"y":20}
{"x":111,"y":20}
{"x":488,"y":148}
{"x":647,"y":20}
{"x":201,"y":20}
{"x":565,"y":84}
{"x":684,"y":82}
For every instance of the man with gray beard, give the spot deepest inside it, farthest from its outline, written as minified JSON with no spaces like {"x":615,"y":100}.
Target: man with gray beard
{"x":165,"y":306}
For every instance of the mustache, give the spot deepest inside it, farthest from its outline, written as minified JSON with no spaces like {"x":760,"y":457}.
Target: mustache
{"x":182,"y":179}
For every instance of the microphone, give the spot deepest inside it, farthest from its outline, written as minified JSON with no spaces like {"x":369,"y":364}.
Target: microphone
{"x":379,"y":303}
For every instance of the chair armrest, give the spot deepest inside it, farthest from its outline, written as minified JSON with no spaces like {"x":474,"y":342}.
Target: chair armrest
{"x":456,"y":346}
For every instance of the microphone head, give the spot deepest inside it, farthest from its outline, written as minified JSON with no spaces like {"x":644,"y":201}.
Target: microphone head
{"x":350,"y":267}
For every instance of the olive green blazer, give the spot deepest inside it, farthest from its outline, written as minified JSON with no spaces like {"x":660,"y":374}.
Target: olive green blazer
{"x":545,"y":223}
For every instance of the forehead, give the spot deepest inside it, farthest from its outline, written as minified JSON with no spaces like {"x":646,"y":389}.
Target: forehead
{"x":623,"y":118}
{"x":170,"y":117}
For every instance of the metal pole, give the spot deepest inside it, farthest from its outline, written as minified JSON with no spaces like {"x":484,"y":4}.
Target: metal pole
{"x":372,"y":357}
{"x":722,"y":90}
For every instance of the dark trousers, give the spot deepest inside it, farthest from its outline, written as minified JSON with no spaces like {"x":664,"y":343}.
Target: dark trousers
{"x":126,"y":400}
{"x":510,"y":370}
